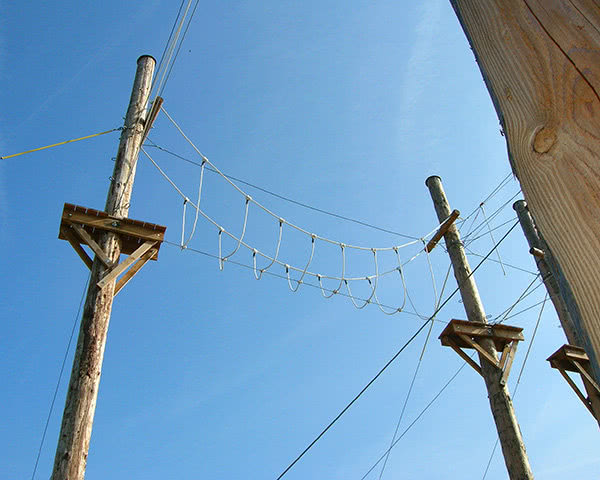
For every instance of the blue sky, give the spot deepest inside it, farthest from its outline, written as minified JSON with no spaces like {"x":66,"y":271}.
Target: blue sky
{"x":344,"y":106}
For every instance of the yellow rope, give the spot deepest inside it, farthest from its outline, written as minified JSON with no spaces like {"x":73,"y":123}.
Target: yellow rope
{"x":58,"y":144}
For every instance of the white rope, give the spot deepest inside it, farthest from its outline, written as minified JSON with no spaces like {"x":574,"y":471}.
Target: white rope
{"x":240,"y":240}
{"x":266,"y":210}
{"x":404,"y":289}
{"x":287,"y":268}
{"x":319,"y":277}
{"x":274,"y":259}
{"x":316,"y":237}
{"x":185,"y":244}
{"x":294,"y":284}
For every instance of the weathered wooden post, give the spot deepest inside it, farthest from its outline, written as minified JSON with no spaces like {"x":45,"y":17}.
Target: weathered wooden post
{"x":80,"y":405}
{"x":507,"y":426}
{"x":540,"y":60}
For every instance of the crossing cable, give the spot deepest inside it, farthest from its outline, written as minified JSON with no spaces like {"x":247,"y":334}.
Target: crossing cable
{"x":431,"y":402}
{"x":504,"y":315}
{"x":530,"y":272}
{"x":396,"y":355}
{"x":537,"y":324}
{"x":284,"y":198}
{"x":494,"y":192}
{"x":62,"y":369}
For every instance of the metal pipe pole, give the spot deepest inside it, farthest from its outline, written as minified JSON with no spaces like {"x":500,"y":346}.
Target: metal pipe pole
{"x":76,"y":428}
{"x":509,"y":433}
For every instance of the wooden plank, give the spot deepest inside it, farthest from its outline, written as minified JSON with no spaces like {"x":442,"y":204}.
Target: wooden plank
{"x":479,"y":348}
{"x":586,"y":375}
{"x":129,"y":274}
{"x":505,"y":352}
{"x":463,"y":355}
{"x":106,"y":223}
{"x":89,"y":241}
{"x":70,"y":236}
{"x":511,"y":357}
{"x":540,"y":60}
{"x":121,"y":267}
{"x":442,"y":231}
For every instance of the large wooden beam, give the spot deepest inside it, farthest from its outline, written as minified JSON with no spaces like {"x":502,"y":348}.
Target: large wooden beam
{"x":540,"y":60}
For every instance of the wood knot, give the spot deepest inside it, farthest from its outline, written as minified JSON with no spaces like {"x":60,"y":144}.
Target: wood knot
{"x":544,"y":140}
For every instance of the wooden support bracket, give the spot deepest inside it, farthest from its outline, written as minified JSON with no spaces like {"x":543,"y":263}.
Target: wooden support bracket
{"x":139,"y":240}
{"x":570,"y":358}
{"x":460,"y":334}
{"x":442,"y":230}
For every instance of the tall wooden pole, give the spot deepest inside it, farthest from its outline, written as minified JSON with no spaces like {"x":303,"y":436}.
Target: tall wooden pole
{"x":507,"y":426}
{"x":80,"y":405}
{"x":536,"y":242}
{"x":539,"y":60}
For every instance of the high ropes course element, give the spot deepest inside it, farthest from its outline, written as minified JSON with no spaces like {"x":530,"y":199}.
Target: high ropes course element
{"x":343,"y":281}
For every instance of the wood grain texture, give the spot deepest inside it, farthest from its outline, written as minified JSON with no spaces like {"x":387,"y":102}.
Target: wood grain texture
{"x":509,"y":433}
{"x":540,"y":60}
{"x":80,"y":405}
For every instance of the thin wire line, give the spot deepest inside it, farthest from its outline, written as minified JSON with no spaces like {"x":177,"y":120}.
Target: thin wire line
{"x":471,"y":252}
{"x":262,"y":207}
{"x":415,"y":420}
{"x":287,"y":199}
{"x":179,"y":46}
{"x":59,"y":143}
{"x":162,"y":57}
{"x":62,"y":369}
{"x":412,"y":383}
{"x":430,"y":319}
{"x":276,"y":275}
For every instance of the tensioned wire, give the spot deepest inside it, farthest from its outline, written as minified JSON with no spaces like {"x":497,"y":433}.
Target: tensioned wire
{"x":430,"y":319}
{"x":342,"y":217}
{"x":62,"y":369}
{"x":282,"y":197}
{"x":249,"y":198}
{"x":371,"y":279}
{"x":412,"y":383}
{"x":323,"y":289}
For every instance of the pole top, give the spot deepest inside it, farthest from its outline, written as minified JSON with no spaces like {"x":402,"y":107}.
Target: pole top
{"x":144,"y":57}
{"x":431,"y":178}
{"x":520,"y":205}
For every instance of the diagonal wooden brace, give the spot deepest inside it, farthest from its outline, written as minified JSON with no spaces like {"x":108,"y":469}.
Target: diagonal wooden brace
{"x":88,"y":240}
{"x":575,"y":388}
{"x":112,"y":274}
{"x":129,"y":274}
{"x":506,"y":360}
{"x":464,"y":356}
{"x":72,"y":239}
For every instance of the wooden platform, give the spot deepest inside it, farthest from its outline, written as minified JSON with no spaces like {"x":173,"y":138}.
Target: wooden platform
{"x":460,"y":334}
{"x":82,"y":226}
{"x":570,"y":358}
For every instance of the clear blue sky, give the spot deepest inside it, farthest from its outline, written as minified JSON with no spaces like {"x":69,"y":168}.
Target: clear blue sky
{"x":347,"y":106}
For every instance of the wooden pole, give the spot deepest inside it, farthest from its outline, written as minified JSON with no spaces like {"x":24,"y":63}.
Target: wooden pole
{"x":509,"y":434}
{"x":80,"y":405}
{"x":536,"y":242}
{"x":539,"y":60}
